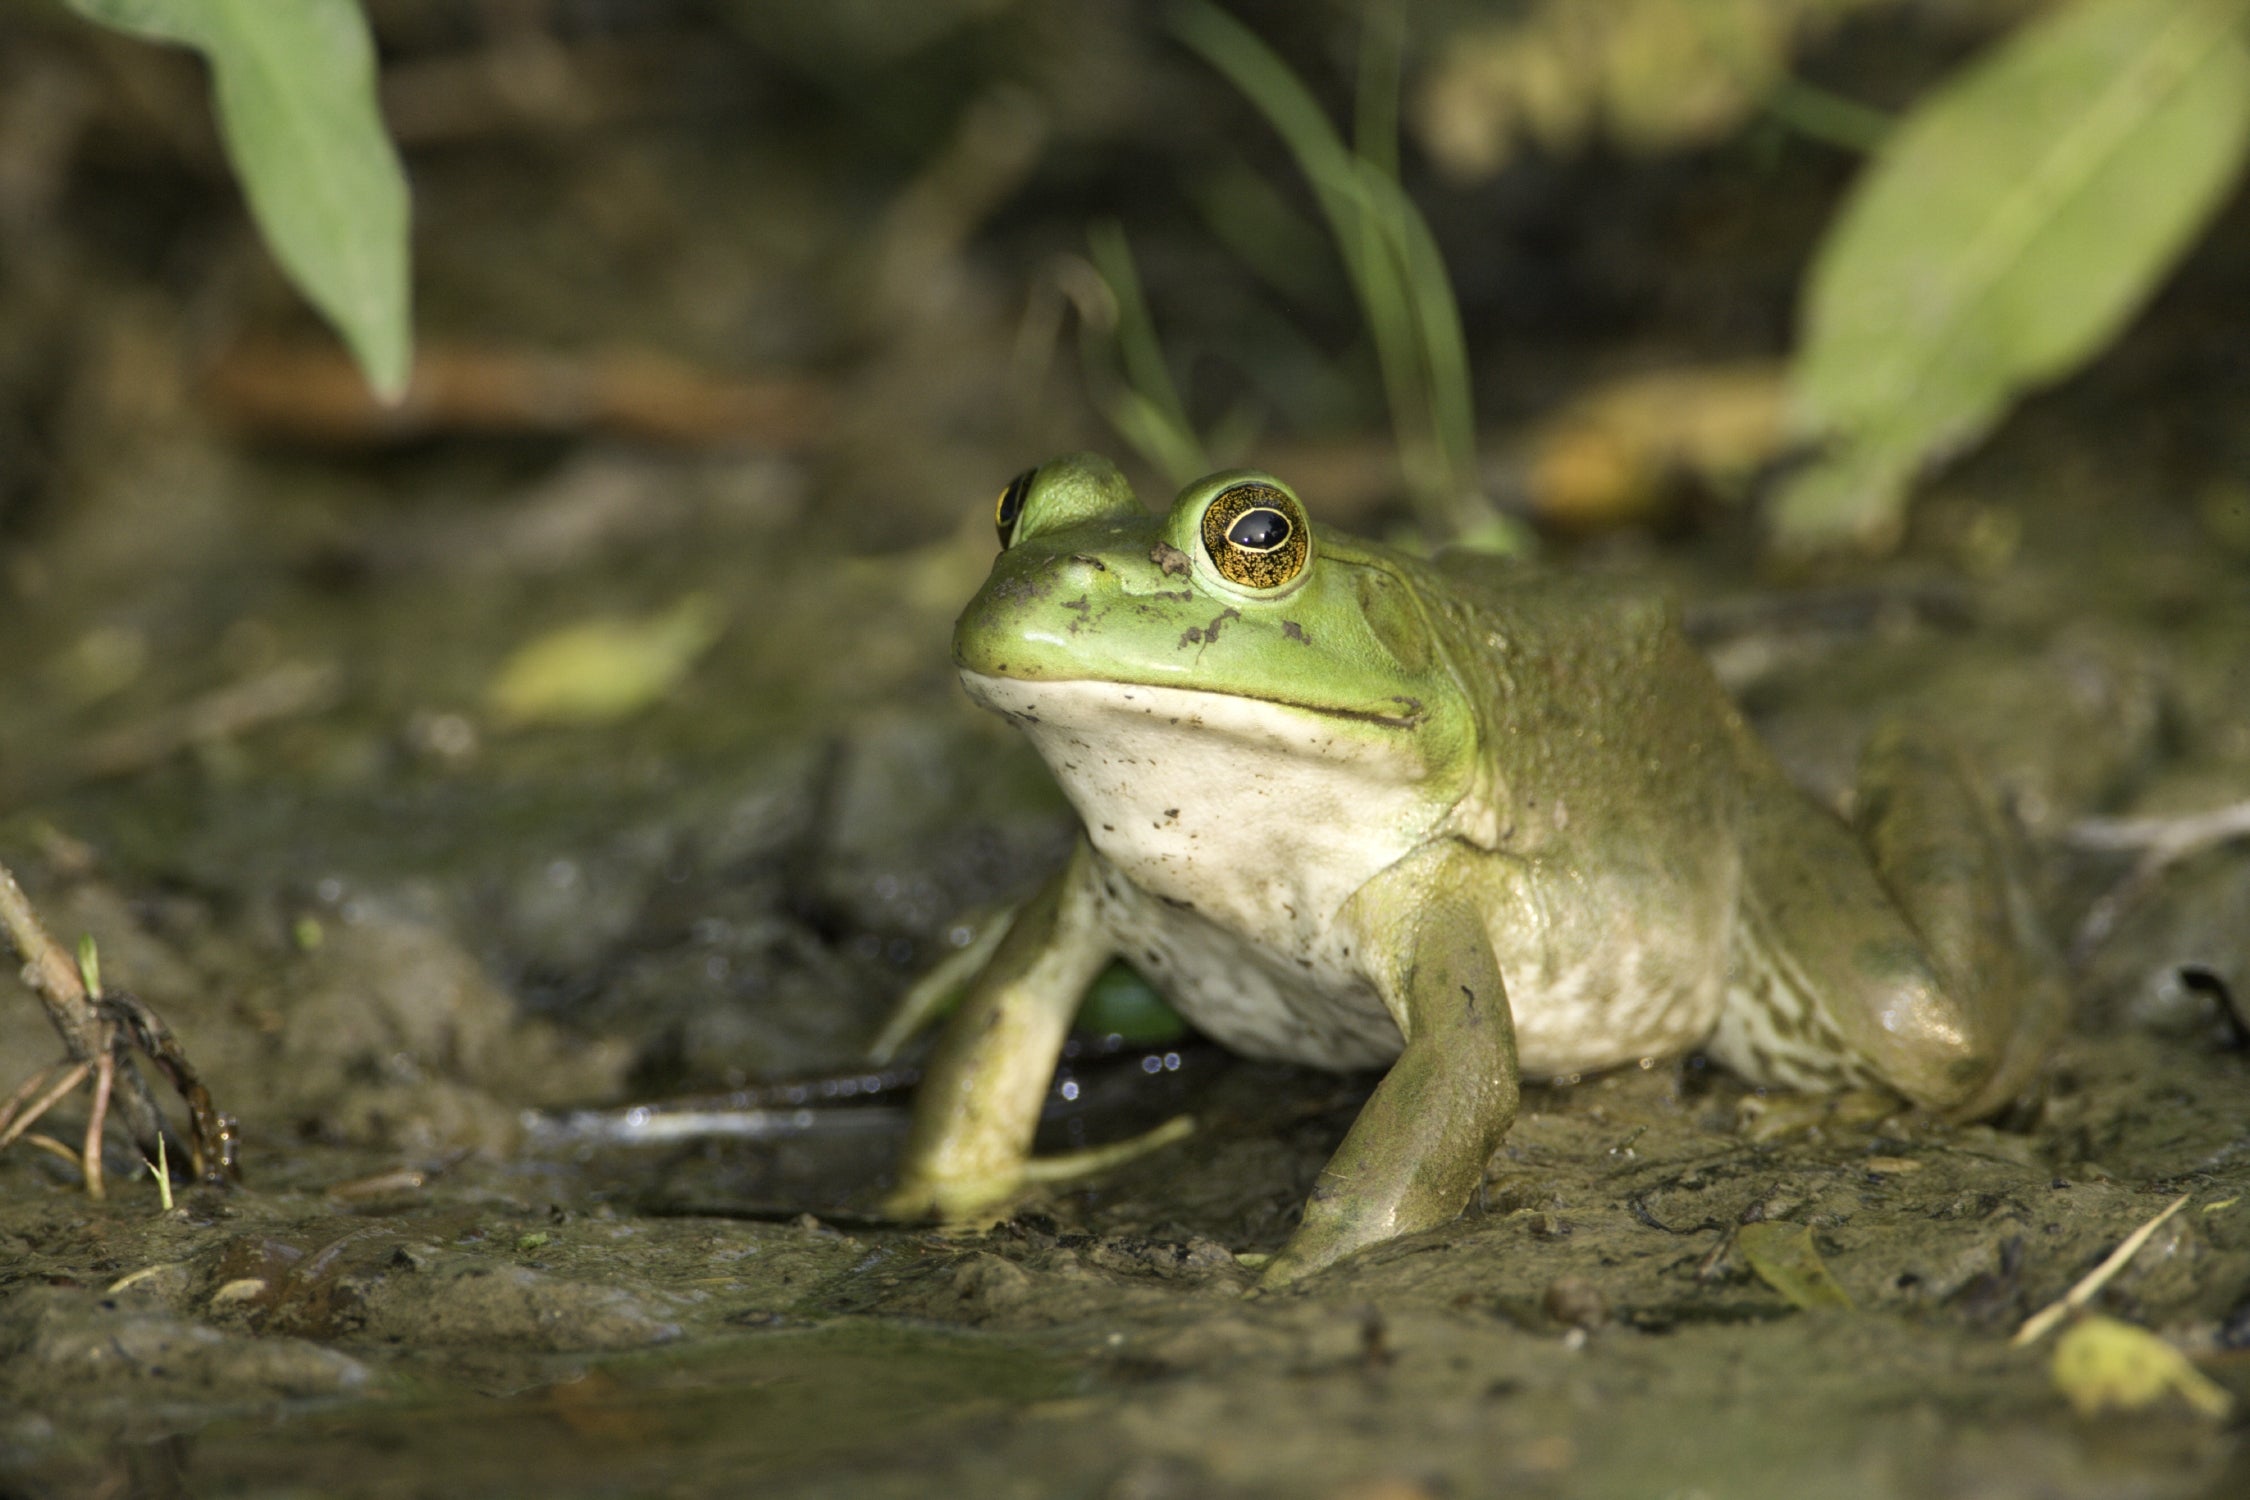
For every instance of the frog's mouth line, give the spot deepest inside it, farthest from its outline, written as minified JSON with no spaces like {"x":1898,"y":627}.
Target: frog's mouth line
{"x":1411,"y":717}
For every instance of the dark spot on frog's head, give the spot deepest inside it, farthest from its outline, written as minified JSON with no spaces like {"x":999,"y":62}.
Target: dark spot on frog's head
{"x":1171,"y":559}
{"x":1089,"y":560}
{"x":1295,"y":632}
{"x":1205,"y":635}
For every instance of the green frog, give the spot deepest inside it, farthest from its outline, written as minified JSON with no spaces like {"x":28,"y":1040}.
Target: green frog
{"x":1459,"y":818}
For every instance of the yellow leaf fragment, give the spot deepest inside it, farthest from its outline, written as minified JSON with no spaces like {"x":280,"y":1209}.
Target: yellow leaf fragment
{"x":1647,"y":75}
{"x":604,"y":669}
{"x":2104,"y":1365}
{"x":1619,"y":452}
{"x":1784,"y":1258}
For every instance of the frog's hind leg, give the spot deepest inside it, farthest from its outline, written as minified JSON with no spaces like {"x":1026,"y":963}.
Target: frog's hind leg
{"x":1901,"y":952}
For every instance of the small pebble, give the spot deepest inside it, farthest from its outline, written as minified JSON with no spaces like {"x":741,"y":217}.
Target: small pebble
{"x":1576,"y":1302}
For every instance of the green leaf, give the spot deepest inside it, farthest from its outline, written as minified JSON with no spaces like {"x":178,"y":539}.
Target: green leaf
{"x":294,"y":87}
{"x":1784,"y":1258}
{"x":1121,"y":1003}
{"x":2004,"y":234}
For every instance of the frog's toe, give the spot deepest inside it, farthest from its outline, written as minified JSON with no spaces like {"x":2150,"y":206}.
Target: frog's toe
{"x":1282,"y":1272}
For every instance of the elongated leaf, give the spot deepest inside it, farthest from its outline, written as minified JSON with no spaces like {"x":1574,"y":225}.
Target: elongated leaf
{"x":603,"y":669}
{"x":294,"y":85}
{"x":2004,"y":234}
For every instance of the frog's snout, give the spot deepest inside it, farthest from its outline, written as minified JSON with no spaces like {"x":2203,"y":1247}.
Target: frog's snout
{"x":1030,"y":605}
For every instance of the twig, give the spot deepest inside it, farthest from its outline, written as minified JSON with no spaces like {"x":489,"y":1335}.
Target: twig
{"x":54,"y":977}
{"x":49,"y":1100}
{"x":2090,"y":1285}
{"x":94,"y":1029}
{"x":2163,"y":843}
{"x":23,"y":1091}
{"x":105,"y":1077}
{"x":2176,"y":835}
{"x":49,"y":973}
{"x":311,"y":394}
{"x":53,"y":1147}
{"x":289,"y":691}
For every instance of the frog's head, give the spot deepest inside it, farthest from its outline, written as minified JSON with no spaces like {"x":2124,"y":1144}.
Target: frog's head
{"x":1228,"y":622}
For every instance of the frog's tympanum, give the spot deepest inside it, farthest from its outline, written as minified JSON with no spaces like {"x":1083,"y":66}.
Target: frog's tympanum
{"x":1457,"y":818}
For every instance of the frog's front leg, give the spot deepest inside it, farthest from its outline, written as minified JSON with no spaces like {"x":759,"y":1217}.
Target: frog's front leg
{"x":979,"y":1101}
{"x":1418,"y":1149}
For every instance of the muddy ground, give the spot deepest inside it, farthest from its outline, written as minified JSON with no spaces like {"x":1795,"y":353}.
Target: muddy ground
{"x":411,"y":943}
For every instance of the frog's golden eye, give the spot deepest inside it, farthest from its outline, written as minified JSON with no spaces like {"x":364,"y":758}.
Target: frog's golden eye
{"x":1009,"y":508}
{"x":1256,"y":536}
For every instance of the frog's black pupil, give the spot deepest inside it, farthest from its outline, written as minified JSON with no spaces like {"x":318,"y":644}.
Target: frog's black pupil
{"x":1259,"y":530}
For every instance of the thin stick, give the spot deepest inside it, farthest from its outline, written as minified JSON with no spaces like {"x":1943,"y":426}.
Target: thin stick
{"x":2090,"y":1285}
{"x":53,"y":1147}
{"x":49,"y":972}
{"x":47,"y":1101}
{"x":2184,"y":833}
{"x":161,"y":1170}
{"x":54,"y":977}
{"x":2163,"y":843}
{"x":105,"y":1077}
{"x":23,"y":1091}
{"x":82,"y":1019}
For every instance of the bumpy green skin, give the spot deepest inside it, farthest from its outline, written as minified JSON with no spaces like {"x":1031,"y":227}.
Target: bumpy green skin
{"x":1458,"y":816}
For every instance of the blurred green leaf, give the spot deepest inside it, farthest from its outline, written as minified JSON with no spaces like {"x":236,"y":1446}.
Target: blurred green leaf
{"x":601,"y":670}
{"x":2006,"y":231}
{"x":294,"y":85}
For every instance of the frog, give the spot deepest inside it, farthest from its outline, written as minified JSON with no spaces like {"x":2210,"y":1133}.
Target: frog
{"x":1464,"y":819}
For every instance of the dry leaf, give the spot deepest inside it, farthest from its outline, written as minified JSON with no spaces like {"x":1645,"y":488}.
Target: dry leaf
{"x":1619,"y":453}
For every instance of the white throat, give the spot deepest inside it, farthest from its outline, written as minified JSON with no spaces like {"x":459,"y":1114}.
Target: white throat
{"x":1265,"y":817}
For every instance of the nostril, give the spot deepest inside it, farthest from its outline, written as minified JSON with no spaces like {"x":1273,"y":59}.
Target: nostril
{"x":1089,"y":561}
